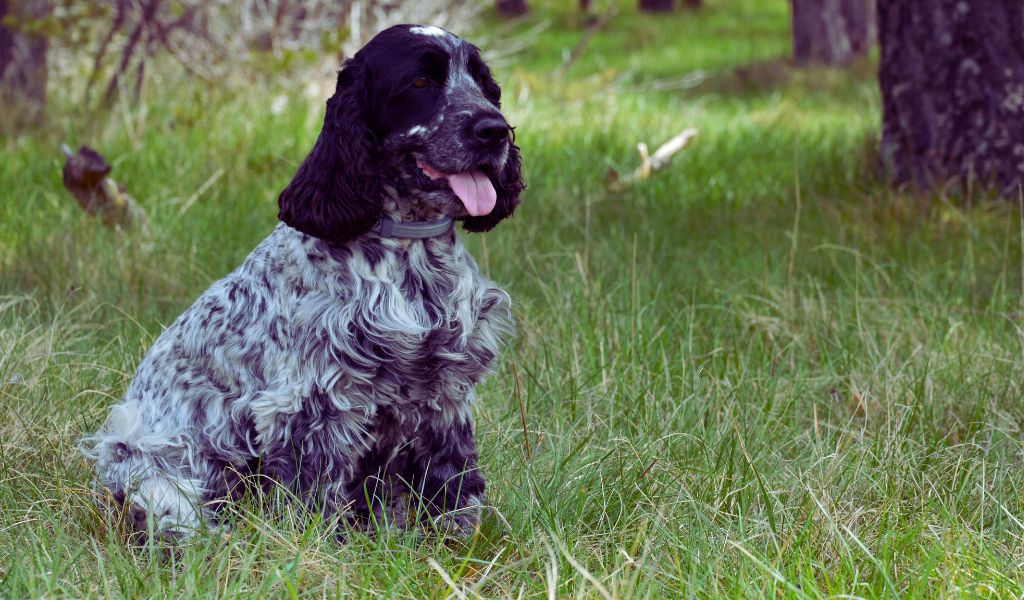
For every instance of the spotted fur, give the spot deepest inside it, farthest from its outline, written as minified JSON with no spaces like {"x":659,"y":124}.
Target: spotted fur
{"x":333,"y":362}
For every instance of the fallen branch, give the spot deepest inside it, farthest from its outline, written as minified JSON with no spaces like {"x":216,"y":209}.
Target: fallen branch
{"x":85,"y":175}
{"x":651,"y":163}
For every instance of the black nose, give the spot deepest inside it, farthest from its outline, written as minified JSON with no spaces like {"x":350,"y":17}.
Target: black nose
{"x":490,"y":130}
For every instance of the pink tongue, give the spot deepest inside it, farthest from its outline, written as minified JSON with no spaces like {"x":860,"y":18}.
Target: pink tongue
{"x":475,"y":191}
{"x":473,"y":188}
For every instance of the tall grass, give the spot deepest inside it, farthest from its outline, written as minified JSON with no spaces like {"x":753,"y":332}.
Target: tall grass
{"x":725,"y":390}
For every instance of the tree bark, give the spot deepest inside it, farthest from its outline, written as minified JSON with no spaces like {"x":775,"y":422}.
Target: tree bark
{"x":952,"y":81}
{"x":23,"y":68}
{"x":6,"y":40}
{"x":831,"y":31}
{"x":656,"y":6}
{"x":861,"y":25}
{"x":512,"y":8}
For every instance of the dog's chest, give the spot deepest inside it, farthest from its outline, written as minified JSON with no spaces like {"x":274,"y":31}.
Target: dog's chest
{"x":428,"y":318}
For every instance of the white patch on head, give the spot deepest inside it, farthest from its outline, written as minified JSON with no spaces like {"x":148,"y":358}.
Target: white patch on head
{"x":417,"y":130}
{"x":430,"y":30}
{"x":459,"y":76}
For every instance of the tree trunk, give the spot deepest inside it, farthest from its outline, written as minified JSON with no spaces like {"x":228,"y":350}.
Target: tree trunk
{"x":693,"y":3}
{"x":512,"y":8}
{"x":861,"y":25}
{"x":23,"y":68}
{"x":830,"y":31}
{"x":6,"y":40}
{"x":654,"y":6}
{"x":952,"y":81}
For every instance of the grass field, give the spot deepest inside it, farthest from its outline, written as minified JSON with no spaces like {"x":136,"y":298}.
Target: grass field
{"x":761,"y":373}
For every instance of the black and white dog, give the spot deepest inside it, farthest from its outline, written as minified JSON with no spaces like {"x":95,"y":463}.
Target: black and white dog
{"x":340,"y":359}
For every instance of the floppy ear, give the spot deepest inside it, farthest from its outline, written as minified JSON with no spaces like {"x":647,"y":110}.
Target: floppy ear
{"x":335,"y":195}
{"x":490,"y":87}
{"x":508,"y":185}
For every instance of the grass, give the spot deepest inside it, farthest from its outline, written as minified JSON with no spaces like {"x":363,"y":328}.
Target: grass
{"x":763,"y":372}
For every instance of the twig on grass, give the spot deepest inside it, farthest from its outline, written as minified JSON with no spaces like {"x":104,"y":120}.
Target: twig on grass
{"x":652,"y":163}
{"x":522,"y":412}
{"x":647,"y":470}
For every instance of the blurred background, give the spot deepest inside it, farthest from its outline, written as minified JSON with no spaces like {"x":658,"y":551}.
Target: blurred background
{"x":781,"y":358}
{"x":202,"y":111}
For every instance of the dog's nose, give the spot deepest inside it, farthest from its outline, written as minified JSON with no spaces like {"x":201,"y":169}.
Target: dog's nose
{"x":490,"y":130}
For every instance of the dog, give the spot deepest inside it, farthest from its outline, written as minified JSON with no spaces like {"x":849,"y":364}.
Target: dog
{"x":339,"y":360}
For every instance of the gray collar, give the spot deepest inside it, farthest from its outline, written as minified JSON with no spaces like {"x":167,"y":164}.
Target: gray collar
{"x":416,"y":230}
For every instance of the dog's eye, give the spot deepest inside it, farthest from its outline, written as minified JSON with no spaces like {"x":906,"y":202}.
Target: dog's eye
{"x":420,"y":83}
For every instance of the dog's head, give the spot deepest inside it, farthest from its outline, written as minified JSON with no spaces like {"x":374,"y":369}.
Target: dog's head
{"x":415,"y":111}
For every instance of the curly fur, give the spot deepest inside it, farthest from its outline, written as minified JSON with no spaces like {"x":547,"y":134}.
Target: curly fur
{"x":333,"y":362}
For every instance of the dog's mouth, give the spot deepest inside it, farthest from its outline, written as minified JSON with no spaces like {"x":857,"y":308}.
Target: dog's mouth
{"x":473,"y":188}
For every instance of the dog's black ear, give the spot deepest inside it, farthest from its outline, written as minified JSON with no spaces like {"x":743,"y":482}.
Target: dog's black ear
{"x":335,"y":195}
{"x":490,"y":87}
{"x":508,"y":185}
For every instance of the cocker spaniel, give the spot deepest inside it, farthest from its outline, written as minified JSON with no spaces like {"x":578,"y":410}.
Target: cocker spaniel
{"x":339,"y":361}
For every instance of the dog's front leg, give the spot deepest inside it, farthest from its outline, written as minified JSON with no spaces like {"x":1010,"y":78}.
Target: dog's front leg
{"x":447,"y":481}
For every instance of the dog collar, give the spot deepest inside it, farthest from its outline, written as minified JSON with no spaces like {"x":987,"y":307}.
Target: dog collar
{"x":416,"y":230}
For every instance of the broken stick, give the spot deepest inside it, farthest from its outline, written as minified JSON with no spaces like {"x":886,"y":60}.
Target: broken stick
{"x":86,"y":176}
{"x":651,"y":163}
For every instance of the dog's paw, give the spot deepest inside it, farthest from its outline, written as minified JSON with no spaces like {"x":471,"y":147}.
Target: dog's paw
{"x":462,"y":522}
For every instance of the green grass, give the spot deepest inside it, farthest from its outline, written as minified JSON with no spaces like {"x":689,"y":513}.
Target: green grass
{"x":726,"y":390}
